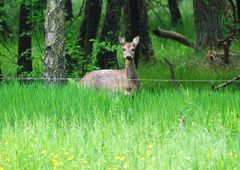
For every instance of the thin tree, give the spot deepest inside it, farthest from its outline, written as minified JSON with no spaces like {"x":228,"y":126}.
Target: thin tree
{"x":24,"y":39}
{"x":238,"y":13}
{"x":109,"y":33}
{"x":4,"y":29}
{"x":89,"y":24}
{"x":54,"y":59}
{"x":137,"y":22}
{"x":146,"y":49}
{"x":207,"y":15}
{"x":1,"y":77}
{"x":174,"y":11}
{"x":69,"y":10}
{"x":88,"y":29}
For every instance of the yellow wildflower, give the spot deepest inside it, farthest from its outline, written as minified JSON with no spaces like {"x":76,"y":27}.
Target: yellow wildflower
{"x":148,"y":153}
{"x":233,"y":155}
{"x":125,"y":166}
{"x":150,"y":146}
{"x":120,"y":158}
{"x":55,"y":162}
{"x":60,"y":163}
{"x":209,"y":155}
{"x":153,"y":158}
{"x":66,"y":153}
{"x":44,"y":152}
{"x":105,"y":162}
{"x":70,"y":158}
{"x":104,"y":148}
{"x":75,"y":165}
{"x":140,"y":157}
{"x":85,"y":162}
{"x":54,"y":156}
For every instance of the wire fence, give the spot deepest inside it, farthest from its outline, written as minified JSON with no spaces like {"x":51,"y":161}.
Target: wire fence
{"x":142,"y":80}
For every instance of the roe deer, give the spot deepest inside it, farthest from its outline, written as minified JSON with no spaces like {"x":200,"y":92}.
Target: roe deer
{"x":125,"y":80}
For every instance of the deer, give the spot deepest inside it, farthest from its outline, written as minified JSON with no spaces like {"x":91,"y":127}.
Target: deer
{"x":125,"y":80}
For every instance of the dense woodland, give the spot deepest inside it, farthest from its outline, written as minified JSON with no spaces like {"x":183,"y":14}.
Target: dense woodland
{"x":63,"y":38}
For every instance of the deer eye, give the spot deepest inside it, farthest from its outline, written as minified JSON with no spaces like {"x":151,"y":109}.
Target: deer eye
{"x":132,"y":49}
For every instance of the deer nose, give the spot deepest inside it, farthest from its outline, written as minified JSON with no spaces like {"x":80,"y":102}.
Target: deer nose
{"x":128,"y":57}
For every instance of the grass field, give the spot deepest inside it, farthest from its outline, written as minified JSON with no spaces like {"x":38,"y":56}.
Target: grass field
{"x":52,"y":127}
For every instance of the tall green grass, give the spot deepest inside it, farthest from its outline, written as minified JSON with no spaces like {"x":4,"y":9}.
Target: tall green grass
{"x":66,"y":127}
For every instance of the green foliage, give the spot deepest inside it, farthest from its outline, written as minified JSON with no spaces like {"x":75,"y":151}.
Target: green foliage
{"x":99,"y":46}
{"x":187,"y":65}
{"x":74,"y":56}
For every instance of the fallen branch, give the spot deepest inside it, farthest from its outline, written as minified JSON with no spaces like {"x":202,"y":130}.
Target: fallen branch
{"x":172,"y":73}
{"x":226,"y":83}
{"x":174,"y":36}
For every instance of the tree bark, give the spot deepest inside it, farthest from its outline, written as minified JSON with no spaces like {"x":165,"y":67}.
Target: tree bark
{"x":89,"y":25}
{"x":238,"y":11}
{"x":207,"y":22}
{"x":174,"y":11}
{"x":54,"y":59}
{"x":136,"y":19}
{"x":1,"y":77}
{"x":110,"y":31}
{"x":4,"y":29}
{"x":24,"y":40}
{"x":126,"y":20}
{"x":134,"y":26}
{"x":146,"y":49}
{"x":238,"y":14}
{"x":69,"y":10}
{"x":88,"y":29}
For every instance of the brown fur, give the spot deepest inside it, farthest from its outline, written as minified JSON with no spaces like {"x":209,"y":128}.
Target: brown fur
{"x":125,"y":80}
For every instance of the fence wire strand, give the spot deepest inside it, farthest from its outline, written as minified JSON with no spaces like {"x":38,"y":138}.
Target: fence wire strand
{"x":142,"y":80}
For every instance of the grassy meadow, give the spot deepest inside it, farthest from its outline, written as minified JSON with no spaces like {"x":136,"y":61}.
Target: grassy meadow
{"x":45,"y":127}
{"x":66,"y":127}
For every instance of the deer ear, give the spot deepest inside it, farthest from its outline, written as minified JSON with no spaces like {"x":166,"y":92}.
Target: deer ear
{"x":136,"y":40}
{"x":121,"y":40}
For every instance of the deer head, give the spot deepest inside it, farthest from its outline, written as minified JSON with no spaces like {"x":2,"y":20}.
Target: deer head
{"x":129,"y":47}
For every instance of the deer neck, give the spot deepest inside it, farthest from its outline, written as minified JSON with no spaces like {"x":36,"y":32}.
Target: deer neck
{"x":131,"y":70}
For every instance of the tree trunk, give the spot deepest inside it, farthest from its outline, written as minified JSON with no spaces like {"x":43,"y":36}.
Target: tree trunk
{"x":134,"y":25}
{"x":4,"y":29}
{"x":24,"y":40}
{"x":238,"y":14}
{"x":1,"y":77}
{"x":110,"y":31}
{"x":145,"y":47}
{"x":89,"y":25}
{"x":238,"y":11}
{"x":136,"y":19}
{"x":174,"y":11}
{"x":54,"y":60}
{"x":126,"y":18}
{"x":207,"y":23}
{"x":69,"y":10}
{"x":89,"y":28}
